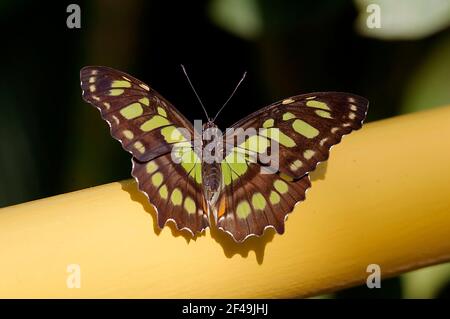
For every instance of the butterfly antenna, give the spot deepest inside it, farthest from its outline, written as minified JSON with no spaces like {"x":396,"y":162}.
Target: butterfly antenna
{"x":232,"y":93}
{"x":193,"y":89}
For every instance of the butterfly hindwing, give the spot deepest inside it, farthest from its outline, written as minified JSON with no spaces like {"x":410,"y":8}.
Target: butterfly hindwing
{"x":174,"y":190}
{"x":254,"y":201}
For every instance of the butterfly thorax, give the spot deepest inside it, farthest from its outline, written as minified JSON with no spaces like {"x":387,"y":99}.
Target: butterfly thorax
{"x":212,"y":155}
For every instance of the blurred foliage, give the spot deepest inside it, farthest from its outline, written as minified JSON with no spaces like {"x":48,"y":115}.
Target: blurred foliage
{"x":428,"y":282}
{"x":405,"y":19}
{"x":52,"y":142}
{"x":242,"y":18}
{"x":428,"y":85}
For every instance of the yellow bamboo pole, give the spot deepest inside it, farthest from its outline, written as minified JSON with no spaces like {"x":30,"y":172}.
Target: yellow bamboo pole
{"x":382,"y":199}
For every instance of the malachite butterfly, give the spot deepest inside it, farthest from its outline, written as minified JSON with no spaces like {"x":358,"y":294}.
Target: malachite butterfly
{"x":170,"y":166}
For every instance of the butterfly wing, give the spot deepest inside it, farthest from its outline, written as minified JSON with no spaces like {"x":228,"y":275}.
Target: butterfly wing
{"x":174,"y":190}
{"x":302,"y":128}
{"x":139,"y":118}
{"x":252,"y":201}
{"x":160,"y":138}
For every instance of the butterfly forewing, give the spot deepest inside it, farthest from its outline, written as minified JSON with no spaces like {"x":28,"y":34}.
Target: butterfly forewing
{"x":306,"y":126}
{"x":142,"y":120}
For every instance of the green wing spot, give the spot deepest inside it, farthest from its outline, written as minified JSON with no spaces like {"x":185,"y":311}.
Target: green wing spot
{"x":116,"y":92}
{"x":280,"y":186}
{"x":277,"y":135}
{"x":189,"y":205}
{"x":318,"y":104}
{"x":196,"y":173}
{"x":256,"y":144}
{"x":157,"y":179}
{"x":268,"y":123}
{"x":305,"y":129}
{"x":161,"y":111}
{"x":132,"y":111}
{"x":274,"y":198}
{"x":176,"y":197}
{"x":189,"y":159}
{"x":237,"y":162}
{"x":145,"y":101}
{"x":243,"y":209}
{"x":151,"y":167}
{"x":226,"y":173}
{"x":239,"y":168}
{"x":233,"y":166}
{"x":288,"y":116}
{"x":163,"y":192}
{"x":172,"y":134}
{"x":258,"y":201}
{"x":155,"y":122}
{"x":323,"y":114}
{"x":120,"y":84}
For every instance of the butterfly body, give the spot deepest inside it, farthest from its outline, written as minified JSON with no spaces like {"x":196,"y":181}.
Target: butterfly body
{"x":211,"y":168}
{"x":249,"y":178}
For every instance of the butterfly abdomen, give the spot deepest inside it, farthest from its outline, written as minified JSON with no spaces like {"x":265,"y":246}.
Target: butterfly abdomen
{"x":211,"y":167}
{"x":211,"y":180}
{"x":212,"y":185}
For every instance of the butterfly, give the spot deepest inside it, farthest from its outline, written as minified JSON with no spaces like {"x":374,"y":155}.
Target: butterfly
{"x":170,"y":168}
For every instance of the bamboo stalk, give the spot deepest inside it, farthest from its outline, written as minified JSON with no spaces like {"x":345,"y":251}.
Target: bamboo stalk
{"x":381,"y":199}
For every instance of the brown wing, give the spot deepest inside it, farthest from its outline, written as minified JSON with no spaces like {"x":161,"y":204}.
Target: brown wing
{"x":174,"y":190}
{"x":307,"y":126}
{"x":257,"y":194}
{"x":141,"y":119}
{"x":254,"y":201}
